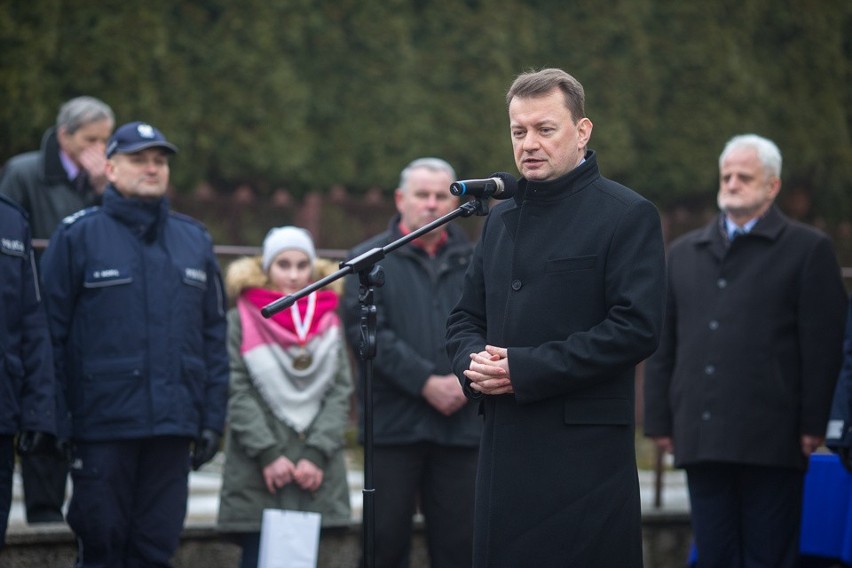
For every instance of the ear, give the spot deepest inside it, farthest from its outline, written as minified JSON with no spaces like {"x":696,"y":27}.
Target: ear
{"x":109,"y":170}
{"x":397,"y":198}
{"x":584,"y":131}
{"x":774,"y":186}
{"x":61,"y":136}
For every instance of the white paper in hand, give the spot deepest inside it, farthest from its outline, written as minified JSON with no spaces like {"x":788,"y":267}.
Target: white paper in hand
{"x":289,"y":539}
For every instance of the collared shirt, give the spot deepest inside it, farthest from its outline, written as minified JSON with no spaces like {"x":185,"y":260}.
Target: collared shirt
{"x":70,"y":167}
{"x":431,"y":248}
{"x":731,"y":227}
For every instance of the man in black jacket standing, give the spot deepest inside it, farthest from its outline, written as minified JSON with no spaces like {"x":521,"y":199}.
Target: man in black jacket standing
{"x":741,"y":386}
{"x":425,"y":434}
{"x":65,"y":175}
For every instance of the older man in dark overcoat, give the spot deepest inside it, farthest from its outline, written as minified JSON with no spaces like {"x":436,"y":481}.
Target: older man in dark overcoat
{"x":741,"y":386}
{"x":564,"y":296}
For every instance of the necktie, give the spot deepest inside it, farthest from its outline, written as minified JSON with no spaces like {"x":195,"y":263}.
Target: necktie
{"x":738,"y":232}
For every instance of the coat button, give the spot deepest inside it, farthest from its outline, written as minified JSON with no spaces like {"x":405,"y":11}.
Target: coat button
{"x":516,"y":285}
{"x":721,"y":282}
{"x":705,"y":415}
{"x":714,"y":325}
{"x":709,"y":370}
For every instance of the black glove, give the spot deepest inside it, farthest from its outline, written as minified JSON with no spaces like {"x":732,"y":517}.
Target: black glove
{"x":206,"y":446}
{"x":30,"y":443}
{"x":64,"y":449}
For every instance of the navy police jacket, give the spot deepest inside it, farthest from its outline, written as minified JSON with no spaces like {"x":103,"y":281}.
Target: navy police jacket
{"x":137,"y":316}
{"x":26,"y":360}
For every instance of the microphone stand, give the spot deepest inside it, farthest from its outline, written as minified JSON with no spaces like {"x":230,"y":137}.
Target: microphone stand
{"x":371,"y":276}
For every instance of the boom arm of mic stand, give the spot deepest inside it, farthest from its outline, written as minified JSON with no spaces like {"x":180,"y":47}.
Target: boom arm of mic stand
{"x":366,"y":261}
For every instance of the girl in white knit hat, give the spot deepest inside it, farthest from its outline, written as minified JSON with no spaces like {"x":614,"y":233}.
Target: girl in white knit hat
{"x":289,"y":393}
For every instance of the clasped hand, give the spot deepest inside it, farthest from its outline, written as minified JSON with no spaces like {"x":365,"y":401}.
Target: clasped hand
{"x":489,"y":371}
{"x":444,"y":393}
{"x":282,"y":471}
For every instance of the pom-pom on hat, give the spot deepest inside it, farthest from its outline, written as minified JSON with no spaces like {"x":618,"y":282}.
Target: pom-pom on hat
{"x":286,"y":238}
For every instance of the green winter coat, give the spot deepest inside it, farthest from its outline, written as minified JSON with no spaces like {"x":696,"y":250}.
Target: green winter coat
{"x":256,"y":437}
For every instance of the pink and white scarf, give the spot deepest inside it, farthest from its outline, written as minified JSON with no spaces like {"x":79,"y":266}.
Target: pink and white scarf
{"x":271,"y":346}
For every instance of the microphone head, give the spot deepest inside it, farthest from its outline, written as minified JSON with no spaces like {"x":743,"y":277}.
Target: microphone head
{"x":508,"y":188}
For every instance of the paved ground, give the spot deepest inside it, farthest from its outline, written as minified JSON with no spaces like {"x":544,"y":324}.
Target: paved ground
{"x":205,"y":485}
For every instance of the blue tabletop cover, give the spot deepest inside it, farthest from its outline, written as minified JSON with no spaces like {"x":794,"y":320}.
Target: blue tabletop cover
{"x":826,"y":511}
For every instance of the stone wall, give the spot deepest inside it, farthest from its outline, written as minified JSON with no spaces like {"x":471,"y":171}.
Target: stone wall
{"x":666,"y":545}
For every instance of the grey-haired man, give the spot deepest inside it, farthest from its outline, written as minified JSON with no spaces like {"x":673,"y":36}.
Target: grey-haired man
{"x":426,"y":435}
{"x":67,"y":173}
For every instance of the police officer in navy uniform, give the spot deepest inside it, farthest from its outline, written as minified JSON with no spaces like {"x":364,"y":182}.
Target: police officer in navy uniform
{"x":26,"y":371}
{"x":137,"y":316}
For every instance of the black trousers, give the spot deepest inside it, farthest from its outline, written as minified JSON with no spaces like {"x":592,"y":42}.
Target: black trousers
{"x":129,"y":501}
{"x":745,"y":516}
{"x":7,"y":467}
{"x":442,"y":480}
{"x":44,"y":478}
{"x":250,"y":544}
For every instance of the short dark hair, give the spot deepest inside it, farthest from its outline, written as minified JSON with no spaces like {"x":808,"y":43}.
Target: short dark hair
{"x":539,"y":83}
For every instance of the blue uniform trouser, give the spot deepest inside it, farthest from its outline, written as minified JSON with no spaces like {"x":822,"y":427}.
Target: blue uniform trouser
{"x":745,"y":516}
{"x":7,"y":466}
{"x":129,"y":501}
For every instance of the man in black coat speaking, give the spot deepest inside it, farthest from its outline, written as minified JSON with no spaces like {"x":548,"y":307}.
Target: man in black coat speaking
{"x":563,"y":297}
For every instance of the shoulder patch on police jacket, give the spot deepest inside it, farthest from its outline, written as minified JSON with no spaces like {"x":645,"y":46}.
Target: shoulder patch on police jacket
{"x":74,"y":216}
{"x":195,"y":276}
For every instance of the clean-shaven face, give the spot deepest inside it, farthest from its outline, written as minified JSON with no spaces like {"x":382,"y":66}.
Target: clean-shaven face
{"x":425,"y":198}
{"x":546,"y":141}
{"x":290,"y":271}
{"x":143,"y":174}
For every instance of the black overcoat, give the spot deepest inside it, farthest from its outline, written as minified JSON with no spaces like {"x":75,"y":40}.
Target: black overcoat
{"x":751,"y":346}
{"x":570,"y":276}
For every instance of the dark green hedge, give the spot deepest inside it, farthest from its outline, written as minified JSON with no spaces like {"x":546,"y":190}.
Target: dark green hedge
{"x":304,"y":94}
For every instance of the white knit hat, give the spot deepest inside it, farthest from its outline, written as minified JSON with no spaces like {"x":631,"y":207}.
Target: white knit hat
{"x":286,"y":238}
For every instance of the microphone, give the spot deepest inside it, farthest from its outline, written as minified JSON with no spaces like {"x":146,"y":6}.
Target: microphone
{"x":499,"y":186}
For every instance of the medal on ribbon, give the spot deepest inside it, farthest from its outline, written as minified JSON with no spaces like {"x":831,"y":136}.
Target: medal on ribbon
{"x":303,"y":357}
